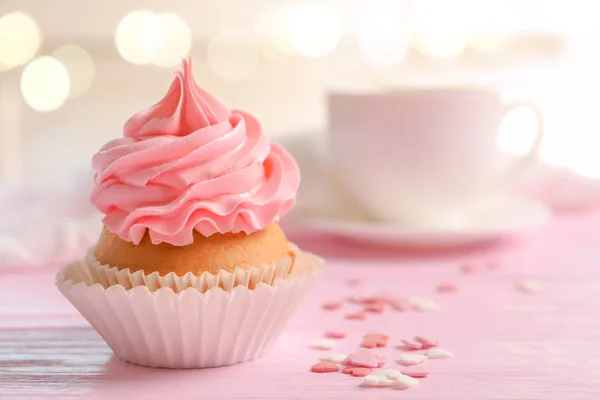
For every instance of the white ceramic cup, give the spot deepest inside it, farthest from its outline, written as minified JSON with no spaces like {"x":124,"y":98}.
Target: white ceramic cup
{"x":422,"y":156}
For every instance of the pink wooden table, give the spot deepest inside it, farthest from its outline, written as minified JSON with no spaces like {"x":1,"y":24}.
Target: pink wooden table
{"x":507,"y":344}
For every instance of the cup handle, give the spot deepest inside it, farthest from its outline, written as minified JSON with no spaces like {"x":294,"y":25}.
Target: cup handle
{"x":516,"y":169}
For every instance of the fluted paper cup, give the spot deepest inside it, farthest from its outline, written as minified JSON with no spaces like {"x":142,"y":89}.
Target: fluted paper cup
{"x":193,"y":327}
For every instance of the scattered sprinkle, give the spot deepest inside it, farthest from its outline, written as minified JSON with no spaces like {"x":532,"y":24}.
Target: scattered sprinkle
{"x":437,"y":353}
{"x":337,"y":358}
{"x":416,"y":371}
{"x":374,"y":308}
{"x":359,"y":316}
{"x":332,"y":306}
{"x":528,"y":286}
{"x":426,"y":343}
{"x":364,"y":358}
{"x":389,"y":373}
{"x":377,"y":381}
{"x":357,"y":371}
{"x":335,"y":334}
{"x":400,"y":304}
{"x":373,"y":340}
{"x":423,"y":304}
{"x":322,"y":344}
{"x":447,"y":288}
{"x":411,"y":345}
{"x":404,"y":382}
{"x":408,"y":359}
{"x":324,"y":366}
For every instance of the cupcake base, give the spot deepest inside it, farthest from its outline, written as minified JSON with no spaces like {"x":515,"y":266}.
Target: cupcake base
{"x":165,"y":328}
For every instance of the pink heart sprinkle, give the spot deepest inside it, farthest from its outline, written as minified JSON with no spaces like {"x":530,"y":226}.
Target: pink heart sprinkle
{"x":447,"y":288}
{"x":335,"y":334}
{"x":363,"y":358}
{"x":410,"y":345}
{"x":426,"y":343}
{"x":416,"y":371}
{"x":324,"y":366}
{"x":400,"y":304}
{"x":357,"y":371}
{"x":331,"y":306}
{"x":359,"y":316}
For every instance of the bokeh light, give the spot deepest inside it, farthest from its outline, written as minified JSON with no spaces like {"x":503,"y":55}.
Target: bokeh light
{"x":177,"y":40}
{"x":384,"y":36}
{"x":269,"y":35}
{"x":45,"y":83}
{"x":442,"y":27}
{"x":231,"y":54}
{"x":20,"y":39}
{"x":140,"y":37}
{"x":80,"y":65}
{"x":312,"y":28}
{"x":144,"y":37}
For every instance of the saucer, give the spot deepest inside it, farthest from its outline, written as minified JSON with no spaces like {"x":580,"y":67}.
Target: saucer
{"x":494,"y":219}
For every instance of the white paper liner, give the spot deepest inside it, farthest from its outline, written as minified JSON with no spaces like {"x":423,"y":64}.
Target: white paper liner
{"x":91,"y":271}
{"x":189,"y":329}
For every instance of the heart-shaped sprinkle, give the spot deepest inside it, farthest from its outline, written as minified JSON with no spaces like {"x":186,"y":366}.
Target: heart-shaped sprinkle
{"x":423,"y":304}
{"x":528,"y":286}
{"x":400,"y":304}
{"x":411,"y":345}
{"x":359,"y":316}
{"x":426,"y":343}
{"x":407,"y":359}
{"x":437,"y":354}
{"x":447,"y":288}
{"x":377,"y":381}
{"x":373,"y":340}
{"x":333,"y":305}
{"x":337,"y":358}
{"x":335,"y":334}
{"x":322,"y":344}
{"x":405,"y":382}
{"x":324,"y":366}
{"x":363,"y":358}
{"x":357,"y":371}
{"x":416,"y":371}
{"x":389,"y":373}
{"x":376,"y":308}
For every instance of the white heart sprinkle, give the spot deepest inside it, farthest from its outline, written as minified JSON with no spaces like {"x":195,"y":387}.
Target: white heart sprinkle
{"x":437,"y":353}
{"x":388,"y":373}
{"x":405,"y":382}
{"x":528,"y":286}
{"x":334,"y":358}
{"x":377,"y":381}
{"x":423,"y":304}
{"x":322,"y":344}
{"x":407,"y":359}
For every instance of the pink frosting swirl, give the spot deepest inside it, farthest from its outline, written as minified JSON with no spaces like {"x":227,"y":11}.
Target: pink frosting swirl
{"x":188,"y":163}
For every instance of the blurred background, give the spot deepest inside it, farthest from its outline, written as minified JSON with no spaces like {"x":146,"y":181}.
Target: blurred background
{"x":71,"y":72}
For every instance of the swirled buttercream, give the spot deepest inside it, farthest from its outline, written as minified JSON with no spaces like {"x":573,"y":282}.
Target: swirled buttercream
{"x":189,"y":163}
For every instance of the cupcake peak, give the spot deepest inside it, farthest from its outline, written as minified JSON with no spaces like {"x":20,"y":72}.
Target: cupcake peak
{"x":186,"y":108}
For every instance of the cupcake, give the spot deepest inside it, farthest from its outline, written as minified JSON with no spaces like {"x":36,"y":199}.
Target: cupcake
{"x":191,"y":269}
